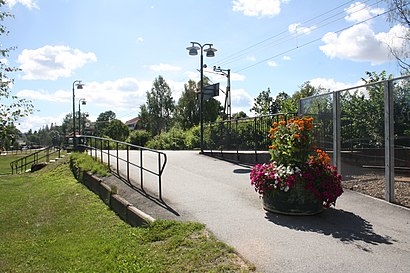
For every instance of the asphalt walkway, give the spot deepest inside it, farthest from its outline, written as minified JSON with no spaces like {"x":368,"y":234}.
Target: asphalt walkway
{"x":361,"y":234}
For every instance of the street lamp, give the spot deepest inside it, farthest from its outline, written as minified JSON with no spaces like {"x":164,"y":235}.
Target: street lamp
{"x":79,"y":85}
{"x":81,"y":101}
{"x":210,"y":52}
{"x":227,"y":106}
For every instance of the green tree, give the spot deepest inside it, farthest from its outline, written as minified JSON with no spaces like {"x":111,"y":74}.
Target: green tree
{"x":103,"y":121}
{"x":187,"y":109}
{"x":156,"y":115}
{"x":117,"y":130}
{"x":263,"y":104}
{"x":12,"y":108}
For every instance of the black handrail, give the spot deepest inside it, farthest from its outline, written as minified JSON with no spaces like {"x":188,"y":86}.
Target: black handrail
{"x":18,"y":165}
{"x":99,"y":147}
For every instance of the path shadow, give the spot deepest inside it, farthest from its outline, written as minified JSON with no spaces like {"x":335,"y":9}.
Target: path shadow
{"x":158,"y":201}
{"x":343,"y":225}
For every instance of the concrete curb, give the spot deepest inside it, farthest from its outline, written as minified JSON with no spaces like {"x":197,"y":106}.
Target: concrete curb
{"x":124,"y":209}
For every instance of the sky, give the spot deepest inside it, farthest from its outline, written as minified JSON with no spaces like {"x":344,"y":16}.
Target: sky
{"x":118,"y":48}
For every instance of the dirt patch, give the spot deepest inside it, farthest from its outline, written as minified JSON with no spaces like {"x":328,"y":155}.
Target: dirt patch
{"x":374,"y":185}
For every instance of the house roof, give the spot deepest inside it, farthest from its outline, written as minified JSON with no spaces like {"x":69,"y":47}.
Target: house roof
{"x":132,"y":121}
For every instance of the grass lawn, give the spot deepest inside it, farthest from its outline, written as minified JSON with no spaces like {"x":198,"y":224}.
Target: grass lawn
{"x":5,"y":162}
{"x":51,"y":223}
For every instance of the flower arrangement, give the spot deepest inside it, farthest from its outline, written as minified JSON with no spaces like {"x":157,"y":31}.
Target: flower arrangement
{"x":297,"y":163}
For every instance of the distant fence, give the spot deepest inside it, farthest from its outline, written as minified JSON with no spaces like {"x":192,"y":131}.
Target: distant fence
{"x":245,"y":140}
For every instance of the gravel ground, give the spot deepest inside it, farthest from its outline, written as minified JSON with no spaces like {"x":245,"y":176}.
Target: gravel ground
{"x":373,"y":185}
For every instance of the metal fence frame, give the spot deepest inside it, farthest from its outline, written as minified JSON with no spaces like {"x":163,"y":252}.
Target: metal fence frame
{"x":224,"y":138}
{"x":42,"y":155}
{"x":388,"y":129}
{"x":98,"y":147}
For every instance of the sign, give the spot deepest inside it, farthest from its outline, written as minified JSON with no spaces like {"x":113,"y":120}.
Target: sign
{"x":211,"y":91}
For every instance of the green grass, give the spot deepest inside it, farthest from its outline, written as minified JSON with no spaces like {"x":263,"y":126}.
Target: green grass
{"x":51,"y":223}
{"x":5,"y":162}
{"x":88,"y":164}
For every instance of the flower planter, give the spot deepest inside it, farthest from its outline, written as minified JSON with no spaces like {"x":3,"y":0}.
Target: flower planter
{"x":296,"y":201}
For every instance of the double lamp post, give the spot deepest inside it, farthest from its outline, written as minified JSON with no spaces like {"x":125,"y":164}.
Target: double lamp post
{"x":79,"y":85}
{"x":210,"y":52}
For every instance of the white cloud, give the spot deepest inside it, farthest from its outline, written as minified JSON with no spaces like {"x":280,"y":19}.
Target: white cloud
{"x":251,"y":58}
{"x":164,"y":67}
{"x":296,"y":28}
{"x":258,"y":7}
{"x":286,"y":58}
{"x":58,"y":96}
{"x":272,"y":64}
{"x":360,"y":43}
{"x":359,"y":12}
{"x":35,"y":122}
{"x":140,"y":39}
{"x":52,"y":62}
{"x":31,"y":4}
{"x":331,"y":84}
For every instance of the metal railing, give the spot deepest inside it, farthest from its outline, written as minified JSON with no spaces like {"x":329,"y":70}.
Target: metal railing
{"x":248,"y":136}
{"x":43,"y":155}
{"x":119,"y":155}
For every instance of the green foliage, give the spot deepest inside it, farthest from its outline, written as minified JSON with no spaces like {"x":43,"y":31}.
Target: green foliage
{"x":139,"y":137}
{"x":176,"y":139}
{"x":12,"y":108}
{"x":263,"y":104}
{"x":156,"y":114}
{"x":117,"y":130}
{"x":187,"y":109}
{"x":87,"y":163}
{"x":75,"y":232}
{"x":103,"y":121}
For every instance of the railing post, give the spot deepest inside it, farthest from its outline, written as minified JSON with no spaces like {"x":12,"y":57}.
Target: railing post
{"x":128,"y":163}
{"x":118,"y":163}
{"x":389,"y":141}
{"x":108,"y":159}
{"x":101,"y":152}
{"x":236,"y":137}
{"x":255,"y":138}
{"x":159,"y":177}
{"x":141,"y":171}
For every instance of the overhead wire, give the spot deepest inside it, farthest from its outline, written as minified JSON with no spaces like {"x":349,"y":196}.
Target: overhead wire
{"x":312,"y":41}
{"x":290,"y":37}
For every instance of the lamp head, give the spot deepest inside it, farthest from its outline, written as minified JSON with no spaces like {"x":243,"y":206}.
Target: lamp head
{"x":80,"y":85}
{"x":210,"y":52}
{"x":83,"y":102}
{"x":193,"y":50}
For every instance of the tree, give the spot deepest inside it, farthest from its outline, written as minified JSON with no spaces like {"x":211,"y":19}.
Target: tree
{"x":156,"y":115}
{"x":400,"y":14}
{"x":187,"y":109}
{"x":117,"y":130}
{"x":12,"y":108}
{"x":103,"y":121}
{"x":263,"y":104}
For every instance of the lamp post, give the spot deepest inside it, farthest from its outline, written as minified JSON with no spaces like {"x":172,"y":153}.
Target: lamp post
{"x":210,"y":52}
{"x":79,"y":85}
{"x":81,"y":101}
{"x":227,"y":106}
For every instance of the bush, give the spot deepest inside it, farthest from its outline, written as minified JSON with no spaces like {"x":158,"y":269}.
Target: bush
{"x":139,"y":138}
{"x":86,"y":163}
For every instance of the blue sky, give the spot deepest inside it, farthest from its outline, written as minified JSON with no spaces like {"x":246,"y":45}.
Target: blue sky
{"x":117,"y":48}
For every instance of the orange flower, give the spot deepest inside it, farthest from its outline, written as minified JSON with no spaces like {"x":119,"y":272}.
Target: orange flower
{"x":283,"y":123}
{"x":275,"y":124}
{"x":297,"y":136}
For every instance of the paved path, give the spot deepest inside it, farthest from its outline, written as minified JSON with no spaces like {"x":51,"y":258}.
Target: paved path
{"x":361,"y":234}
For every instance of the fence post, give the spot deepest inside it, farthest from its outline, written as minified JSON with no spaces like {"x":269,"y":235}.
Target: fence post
{"x":141,"y":170}
{"x":336,"y":131}
{"x":389,"y":141}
